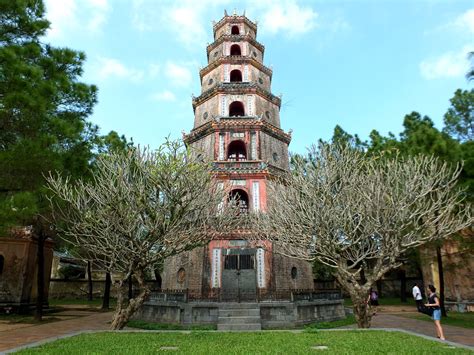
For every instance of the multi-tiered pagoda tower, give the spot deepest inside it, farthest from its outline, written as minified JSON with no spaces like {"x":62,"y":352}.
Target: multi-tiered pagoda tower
{"x":237,"y":127}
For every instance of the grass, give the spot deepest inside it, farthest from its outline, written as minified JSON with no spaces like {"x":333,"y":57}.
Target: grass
{"x":334,"y":324}
{"x":339,"y":342}
{"x":163,"y":326}
{"x":464,"y":320}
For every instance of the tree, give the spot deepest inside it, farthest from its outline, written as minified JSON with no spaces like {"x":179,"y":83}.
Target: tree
{"x":43,"y":127}
{"x":352,"y":212}
{"x":140,"y":208}
{"x":459,"y":119}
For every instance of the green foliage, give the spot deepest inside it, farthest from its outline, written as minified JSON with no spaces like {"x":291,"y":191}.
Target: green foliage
{"x":420,"y":136}
{"x":340,"y":342}
{"x":322,"y":272}
{"x":43,"y":112}
{"x":459,"y":120}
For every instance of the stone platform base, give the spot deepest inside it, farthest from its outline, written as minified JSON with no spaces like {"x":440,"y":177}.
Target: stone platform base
{"x":272,"y":314}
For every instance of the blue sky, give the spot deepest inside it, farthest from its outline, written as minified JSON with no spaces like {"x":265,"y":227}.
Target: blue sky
{"x":360,"y":64}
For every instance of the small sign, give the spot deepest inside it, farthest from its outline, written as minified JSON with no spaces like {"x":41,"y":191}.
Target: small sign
{"x":261,"y":268}
{"x":216,"y":268}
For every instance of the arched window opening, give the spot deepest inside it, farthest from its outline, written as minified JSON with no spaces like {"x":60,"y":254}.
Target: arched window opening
{"x":237,"y":151}
{"x":235,"y":30}
{"x":235,"y":76}
{"x":235,"y":50}
{"x":241,"y":199}
{"x":236,"y":108}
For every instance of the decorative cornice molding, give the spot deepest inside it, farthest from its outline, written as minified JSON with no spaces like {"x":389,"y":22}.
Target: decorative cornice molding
{"x":235,"y":88}
{"x":234,"y":19}
{"x":226,"y":123}
{"x":234,"y":38}
{"x":235,"y":59}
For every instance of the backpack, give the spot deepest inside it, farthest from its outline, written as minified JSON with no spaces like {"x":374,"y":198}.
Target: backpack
{"x":426,"y":310}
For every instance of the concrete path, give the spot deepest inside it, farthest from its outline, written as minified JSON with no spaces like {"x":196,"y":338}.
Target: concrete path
{"x":14,"y":336}
{"x":392,"y":320}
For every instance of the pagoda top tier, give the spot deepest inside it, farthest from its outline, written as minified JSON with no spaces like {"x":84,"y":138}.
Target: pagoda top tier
{"x":234,"y":24}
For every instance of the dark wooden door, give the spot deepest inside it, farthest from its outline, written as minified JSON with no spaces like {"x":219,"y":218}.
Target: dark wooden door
{"x":239,"y":276}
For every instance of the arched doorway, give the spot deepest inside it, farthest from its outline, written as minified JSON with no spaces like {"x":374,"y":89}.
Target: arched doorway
{"x":235,"y":50}
{"x":236,"y":108}
{"x":236,"y":151}
{"x":235,"y":30}
{"x":235,"y":76}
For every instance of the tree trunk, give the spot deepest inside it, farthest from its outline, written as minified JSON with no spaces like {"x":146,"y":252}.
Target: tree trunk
{"x":89,"y":281}
{"x":441,"y":281}
{"x":106,"y":299}
{"x":130,"y":287}
{"x":403,"y":286}
{"x":362,"y":311}
{"x":40,"y":275}
{"x":123,"y":314}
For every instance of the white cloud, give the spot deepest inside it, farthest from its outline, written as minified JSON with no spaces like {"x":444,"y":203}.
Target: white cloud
{"x":286,"y":16}
{"x":113,"y":68}
{"x":465,"y":22}
{"x":163,"y":96}
{"x":448,"y":65}
{"x":185,"y":19}
{"x":179,"y":75}
{"x":62,"y":15}
{"x":71,"y":15}
{"x":154,"y":70}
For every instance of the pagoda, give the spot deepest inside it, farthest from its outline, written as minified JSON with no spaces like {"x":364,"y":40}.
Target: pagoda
{"x":237,"y":128}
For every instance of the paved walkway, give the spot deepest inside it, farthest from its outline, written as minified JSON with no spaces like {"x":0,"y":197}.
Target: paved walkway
{"x":392,"y":320}
{"x":14,"y":336}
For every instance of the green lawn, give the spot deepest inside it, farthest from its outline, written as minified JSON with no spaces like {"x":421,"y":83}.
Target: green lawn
{"x":338,"y":342}
{"x":334,"y":324}
{"x":465,"y":320}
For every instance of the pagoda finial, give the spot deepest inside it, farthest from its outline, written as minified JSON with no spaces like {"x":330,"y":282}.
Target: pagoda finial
{"x":225,"y":13}
{"x":243,"y":14}
{"x":235,"y":12}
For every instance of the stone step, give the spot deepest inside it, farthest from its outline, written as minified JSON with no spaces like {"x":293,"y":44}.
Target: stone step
{"x":237,"y":312}
{"x":239,"y":320}
{"x":243,"y":327}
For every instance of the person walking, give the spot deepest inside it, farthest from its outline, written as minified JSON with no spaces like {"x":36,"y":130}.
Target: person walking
{"x":373,"y":300}
{"x":433,"y":302}
{"x":417,"y":296}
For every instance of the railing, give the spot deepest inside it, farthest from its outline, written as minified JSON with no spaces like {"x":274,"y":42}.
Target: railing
{"x":184,"y":295}
{"x":239,"y":165}
{"x":313,"y":295}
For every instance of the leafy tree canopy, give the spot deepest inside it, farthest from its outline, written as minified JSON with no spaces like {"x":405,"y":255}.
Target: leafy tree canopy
{"x":43,"y":112}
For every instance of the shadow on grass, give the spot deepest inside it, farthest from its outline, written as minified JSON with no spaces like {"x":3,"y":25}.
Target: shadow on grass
{"x":165,"y":326}
{"x":329,"y":325}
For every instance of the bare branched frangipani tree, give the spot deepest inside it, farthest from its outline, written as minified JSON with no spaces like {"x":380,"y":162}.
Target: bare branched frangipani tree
{"x":141,"y":207}
{"x":353,"y":212}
